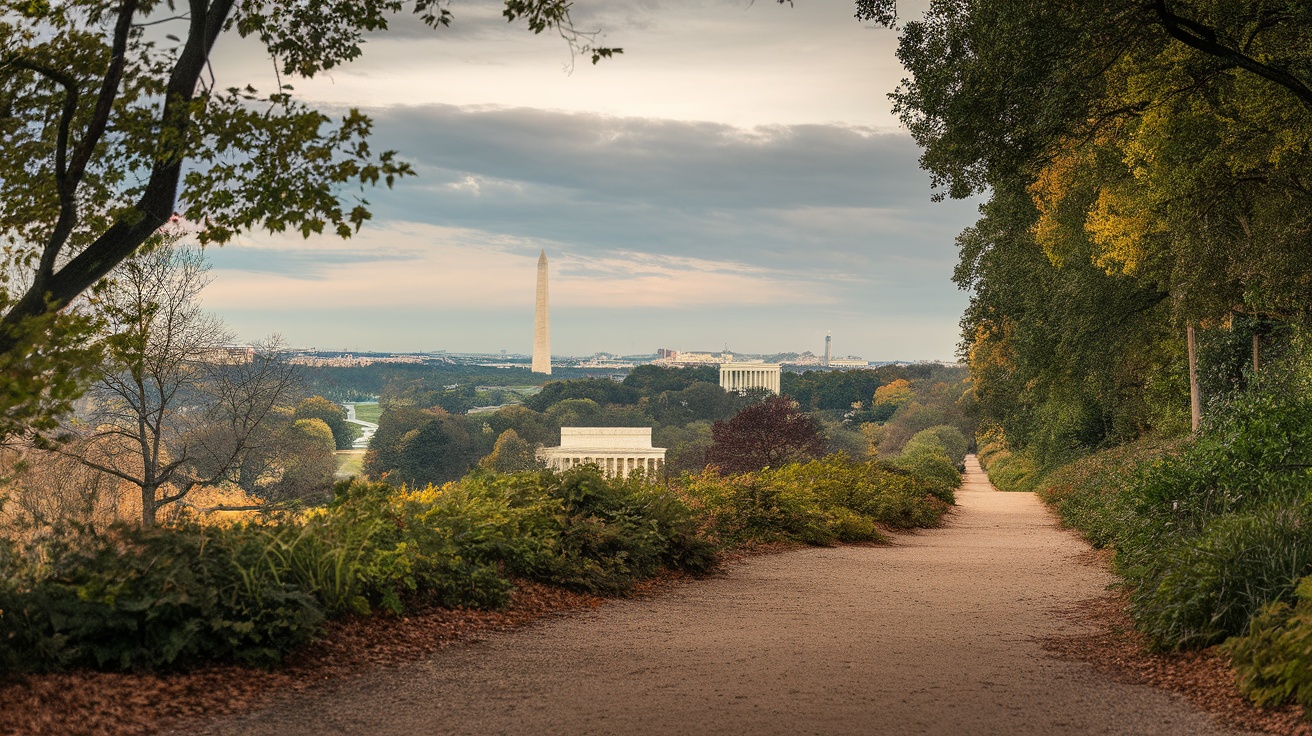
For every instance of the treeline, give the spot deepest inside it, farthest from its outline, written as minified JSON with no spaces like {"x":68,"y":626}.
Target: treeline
{"x":874,"y":412}
{"x":1141,"y":287}
{"x":366,"y":383}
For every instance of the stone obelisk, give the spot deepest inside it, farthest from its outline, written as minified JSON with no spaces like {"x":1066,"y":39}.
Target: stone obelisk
{"x":542,"y":322}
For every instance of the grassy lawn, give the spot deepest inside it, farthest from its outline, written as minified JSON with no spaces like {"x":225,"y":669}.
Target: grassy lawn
{"x":350,"y":462}
{"x":368,"y":412}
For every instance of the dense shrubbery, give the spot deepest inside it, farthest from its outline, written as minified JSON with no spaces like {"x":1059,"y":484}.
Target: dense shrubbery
{"x":819,"y":502}
{"x":137,"y":598}
{"x":1007,"y":469}
{"x":1207,"y":533}
{"x":927,"y":456}
{"x":130,"y":598}
{"x":1274,"y":659}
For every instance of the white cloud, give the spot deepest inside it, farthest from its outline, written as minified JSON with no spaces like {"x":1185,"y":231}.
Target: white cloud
{"x":433,"y":267}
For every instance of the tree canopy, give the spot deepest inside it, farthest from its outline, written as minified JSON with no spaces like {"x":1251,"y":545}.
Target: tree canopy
{"x":1147,"y":168}
{"x":111,"y":126}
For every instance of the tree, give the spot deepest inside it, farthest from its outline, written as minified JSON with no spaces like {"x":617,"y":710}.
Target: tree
{"x":765,"y":435}
{"x":107,"y":134}
{"x":177,"y":408}
{"x":1146,"y":164}
{"x":441,"y":450}
{"x":333,"y":416}
{"x":894,"y":395}
{"x":511,"y":454}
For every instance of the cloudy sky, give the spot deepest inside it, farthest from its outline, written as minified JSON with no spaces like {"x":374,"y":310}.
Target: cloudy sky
{"x":735,"y":178}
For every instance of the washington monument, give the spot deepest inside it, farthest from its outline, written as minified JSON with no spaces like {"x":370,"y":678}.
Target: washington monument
{"x":542,"y":323}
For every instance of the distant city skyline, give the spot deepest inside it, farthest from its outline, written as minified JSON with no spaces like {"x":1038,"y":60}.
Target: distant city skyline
{"x":736,"y":177}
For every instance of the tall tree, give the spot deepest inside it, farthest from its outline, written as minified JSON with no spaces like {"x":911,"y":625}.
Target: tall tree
{"x":107,"y":133}
{"x":1147,"y":164}
{"x":177,"y":407}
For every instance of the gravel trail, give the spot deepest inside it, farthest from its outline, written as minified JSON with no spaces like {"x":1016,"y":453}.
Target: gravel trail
{"x":937,"y":634}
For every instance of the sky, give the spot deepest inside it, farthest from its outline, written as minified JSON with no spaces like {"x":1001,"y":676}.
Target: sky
{"x":735,"y":178}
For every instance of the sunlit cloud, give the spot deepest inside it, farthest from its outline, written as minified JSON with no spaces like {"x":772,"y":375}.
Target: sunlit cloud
{"x":432,"y":267}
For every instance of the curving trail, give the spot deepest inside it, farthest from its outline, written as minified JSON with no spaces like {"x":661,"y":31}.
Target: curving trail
{"x":937,"y":634}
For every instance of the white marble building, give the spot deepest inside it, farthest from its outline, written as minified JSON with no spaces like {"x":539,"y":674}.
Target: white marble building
{"x":616,"y":450}
{"x":744,"y":376}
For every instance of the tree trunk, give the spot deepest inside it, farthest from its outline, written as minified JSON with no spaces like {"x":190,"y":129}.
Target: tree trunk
{"x":1257,"y":352}
{"x":149,"y":507}
{"x":1195,"y":400}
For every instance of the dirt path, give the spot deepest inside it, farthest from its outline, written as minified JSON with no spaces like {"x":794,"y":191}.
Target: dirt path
{"x":937,"y":634}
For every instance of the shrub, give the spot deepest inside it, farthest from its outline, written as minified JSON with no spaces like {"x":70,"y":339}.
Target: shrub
{"x":1273,"y":660}
{"x":1197,"y":589}
{"x":818,"y":502}
{"x":925,"y":457}
{"x":610,"y":532}
{"x":953,"y":442}
{"x":1206,"y":532}
{"x":134,"y":598}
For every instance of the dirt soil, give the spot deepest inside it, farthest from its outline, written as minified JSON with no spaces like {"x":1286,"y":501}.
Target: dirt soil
{"x":942,"y":633}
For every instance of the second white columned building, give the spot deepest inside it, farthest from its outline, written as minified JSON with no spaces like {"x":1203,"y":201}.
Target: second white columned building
{"x":745,"y":376}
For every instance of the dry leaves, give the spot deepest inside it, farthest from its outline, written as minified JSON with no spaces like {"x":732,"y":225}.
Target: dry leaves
{"x":1111,"y":644}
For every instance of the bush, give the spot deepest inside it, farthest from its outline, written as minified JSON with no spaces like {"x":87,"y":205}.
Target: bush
{"x":953,"y":442}
{"x":818,"y":502}
{"x":925,"y":457}
{"x":134,"y":598}
{"x":1206,"y":532}
{"x":1273,"y":660}
{"x":610,"y":532}
{"x":1197,"y":589}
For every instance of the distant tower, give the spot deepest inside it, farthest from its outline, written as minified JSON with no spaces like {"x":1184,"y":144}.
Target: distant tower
{"x":542,"y":323}
{"x":828,"y":336}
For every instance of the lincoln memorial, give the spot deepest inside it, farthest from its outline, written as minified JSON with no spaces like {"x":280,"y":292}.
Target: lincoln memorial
{"x":616,"y":450}
{"x":744,"y":376}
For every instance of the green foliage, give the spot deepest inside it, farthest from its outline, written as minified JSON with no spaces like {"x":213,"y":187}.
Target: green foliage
{"x":511,"y":454}
{"x":599,"y":390}
{"x":1208,"y":532}
{"x":925,"y":457}
{"x":142,"y":598}
{"x":160,"y":598}
{"x":612,"y":531}
{"x":317,"y":407}
{"x":655,"y":379}
{"x":1008,"y":470}
{"x":954,"y":443}
{"x":1273,"y":659}
{"x":818,"y":502}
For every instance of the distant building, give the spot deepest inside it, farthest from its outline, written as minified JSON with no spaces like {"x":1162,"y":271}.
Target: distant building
{"x":829,"y":336}
{"x":618,"y":451}
{"x":848,"y":362}
{"x":745,"y":376}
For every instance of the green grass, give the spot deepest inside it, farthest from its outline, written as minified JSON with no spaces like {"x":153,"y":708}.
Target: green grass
{"x":368,"y":412}
{"x":350,"y":463}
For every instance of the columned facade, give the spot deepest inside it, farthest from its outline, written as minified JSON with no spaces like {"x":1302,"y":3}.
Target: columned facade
{"x":745,"y":376}
{"x":618,"y":451}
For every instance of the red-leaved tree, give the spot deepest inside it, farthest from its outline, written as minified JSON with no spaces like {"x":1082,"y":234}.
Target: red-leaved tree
{"x":769,"y":434}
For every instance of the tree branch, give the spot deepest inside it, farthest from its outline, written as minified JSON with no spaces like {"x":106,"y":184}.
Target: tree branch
{"x":108,"y":91}
{"x":1198,"y":36}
